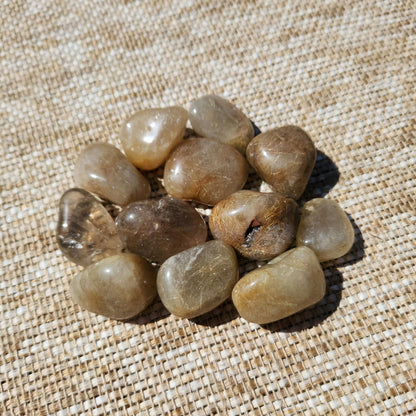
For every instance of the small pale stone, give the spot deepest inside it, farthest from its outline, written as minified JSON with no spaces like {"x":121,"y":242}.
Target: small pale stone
{"x":284,"y":158}
{"x":216,"y":118}
{"x":288,"y":284}
{"x":85,"y":232}
{"x":119,"y":287}
{"x":197,"y":280}
{"x":258,"y":225}
{"x":158,"y":229}
{"x":205,"y":171}
{"x":102,"y":169}
{"x":325,"y":228}
{"x":150,"y":135}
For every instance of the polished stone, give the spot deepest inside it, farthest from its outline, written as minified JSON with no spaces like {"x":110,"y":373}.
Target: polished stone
{"x":204,"y":170}
{"x":284,"y":158}
{"x":85,"y":232}
{"x":102,"y":169}
{"x":286,"y":285}
{"x":197,"y":280}
{"x":119,"y":287}
{"x":258,"y":225}
{"x":159,"y":228}
{"x":325,"y":228}
{"x":150,"y":135}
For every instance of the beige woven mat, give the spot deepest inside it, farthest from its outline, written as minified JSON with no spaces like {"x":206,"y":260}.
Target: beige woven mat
{"x":71,"y":71}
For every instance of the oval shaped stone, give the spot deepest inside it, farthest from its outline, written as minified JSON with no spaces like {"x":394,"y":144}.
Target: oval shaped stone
{"x":158,"y":229}
{"x":119,"y":287}
{"x":216,"y":118}
{"x":325,"y":228}
{"x":205,"y":171}
{"x":85,"y":231}
{"x":150,"y":135}
{"x":197,"y":280}
{"x":288,"y":284}
{"x":102,"y":169}
{"x":258,"y":225}
{"x":284,"y":158}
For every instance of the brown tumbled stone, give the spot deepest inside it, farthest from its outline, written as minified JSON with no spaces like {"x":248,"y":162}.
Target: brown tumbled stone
{"x":197,"y":280}
{"x":216,"y":118}
{"x":158,"y":229}
{"x":204,"y":170}
{"x":258,"y":225}
{"x":150,"y":135}
{"x":325,"y":228}
{"x":284,"y":158}
{"x":288,"y":284}
{"x":102,"y":169}
{"x":119,"y":287}
{"x":85,"y":232}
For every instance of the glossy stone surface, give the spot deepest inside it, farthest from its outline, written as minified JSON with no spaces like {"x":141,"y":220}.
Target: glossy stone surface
{"x":158,"y":229}
{"x":85,"y":232}
{"x":325,"y":228}
{"x":286,"y":285}
{"x":216,"y":118}
{"x":119,"y":287}
{"x":102,"y":169}
{"x":150,"y":135}
{"x":284,"y":158}
{"x":258,"y":225}
{"x":205,"y":171}
{"x":197,"y":280}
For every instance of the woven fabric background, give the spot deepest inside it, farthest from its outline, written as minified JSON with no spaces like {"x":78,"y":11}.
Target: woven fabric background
{"x":71,"y":71}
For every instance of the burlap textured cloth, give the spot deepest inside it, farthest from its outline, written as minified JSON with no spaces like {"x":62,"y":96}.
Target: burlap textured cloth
{"x":71,"y":71}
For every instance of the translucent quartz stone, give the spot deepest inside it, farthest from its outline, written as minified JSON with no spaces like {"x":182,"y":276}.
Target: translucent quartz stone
{"x":284,"y":158}
{"x":216,"y":118}
{"x":158,"y":229}
{"x":205,"y":171}
{"x":150,"y":135}
{"x":289,"y":283}
{"x":118,"y":287}
{"x":85,"y":232}
{"x":325,"y":228}
{"x":197,"y":280}
{"x":101,"y":168}
{"x":258,"y":225}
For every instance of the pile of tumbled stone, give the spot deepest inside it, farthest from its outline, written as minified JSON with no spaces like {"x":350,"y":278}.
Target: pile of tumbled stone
{"x":158,"y":246}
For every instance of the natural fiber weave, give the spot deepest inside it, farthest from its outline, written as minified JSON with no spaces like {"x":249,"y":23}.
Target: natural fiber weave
{"x":71,"y":71}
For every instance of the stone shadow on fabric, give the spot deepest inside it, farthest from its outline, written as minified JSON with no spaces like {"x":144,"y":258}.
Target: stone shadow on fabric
{"x":155,"y":312}
{"x":222,"y":314}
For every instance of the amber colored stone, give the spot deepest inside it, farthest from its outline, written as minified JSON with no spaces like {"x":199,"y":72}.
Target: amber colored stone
{"x":158,"y":229}
{"x":284,"y":158}
{"x":119,"y":287}
{"x":258,"y":225}
{"x":150,"y":135}
{"x":325,"y":228}
{"x":216,"y":118}
{"x":288,"y":284}
{"x":197,"y":280}
{"x":102,"y":169}
{"x":205,"y":171}
{"x":85,"y":232}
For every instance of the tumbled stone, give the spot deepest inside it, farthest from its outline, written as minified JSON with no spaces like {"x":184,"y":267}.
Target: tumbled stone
{"x":102,"y":169}
{"x":86,"y":232}
{"x":158,"y":229}
{"x":288,"y":284}
{"x":197,"y":280}
{"x":205,"y":171}
{"x":258,"y":225}
{"x":150,"y":135}
{"x":325,"y":228}
{"x":284,"y":158}
{"x":119,"y":287}
{"x":216,"y":118}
